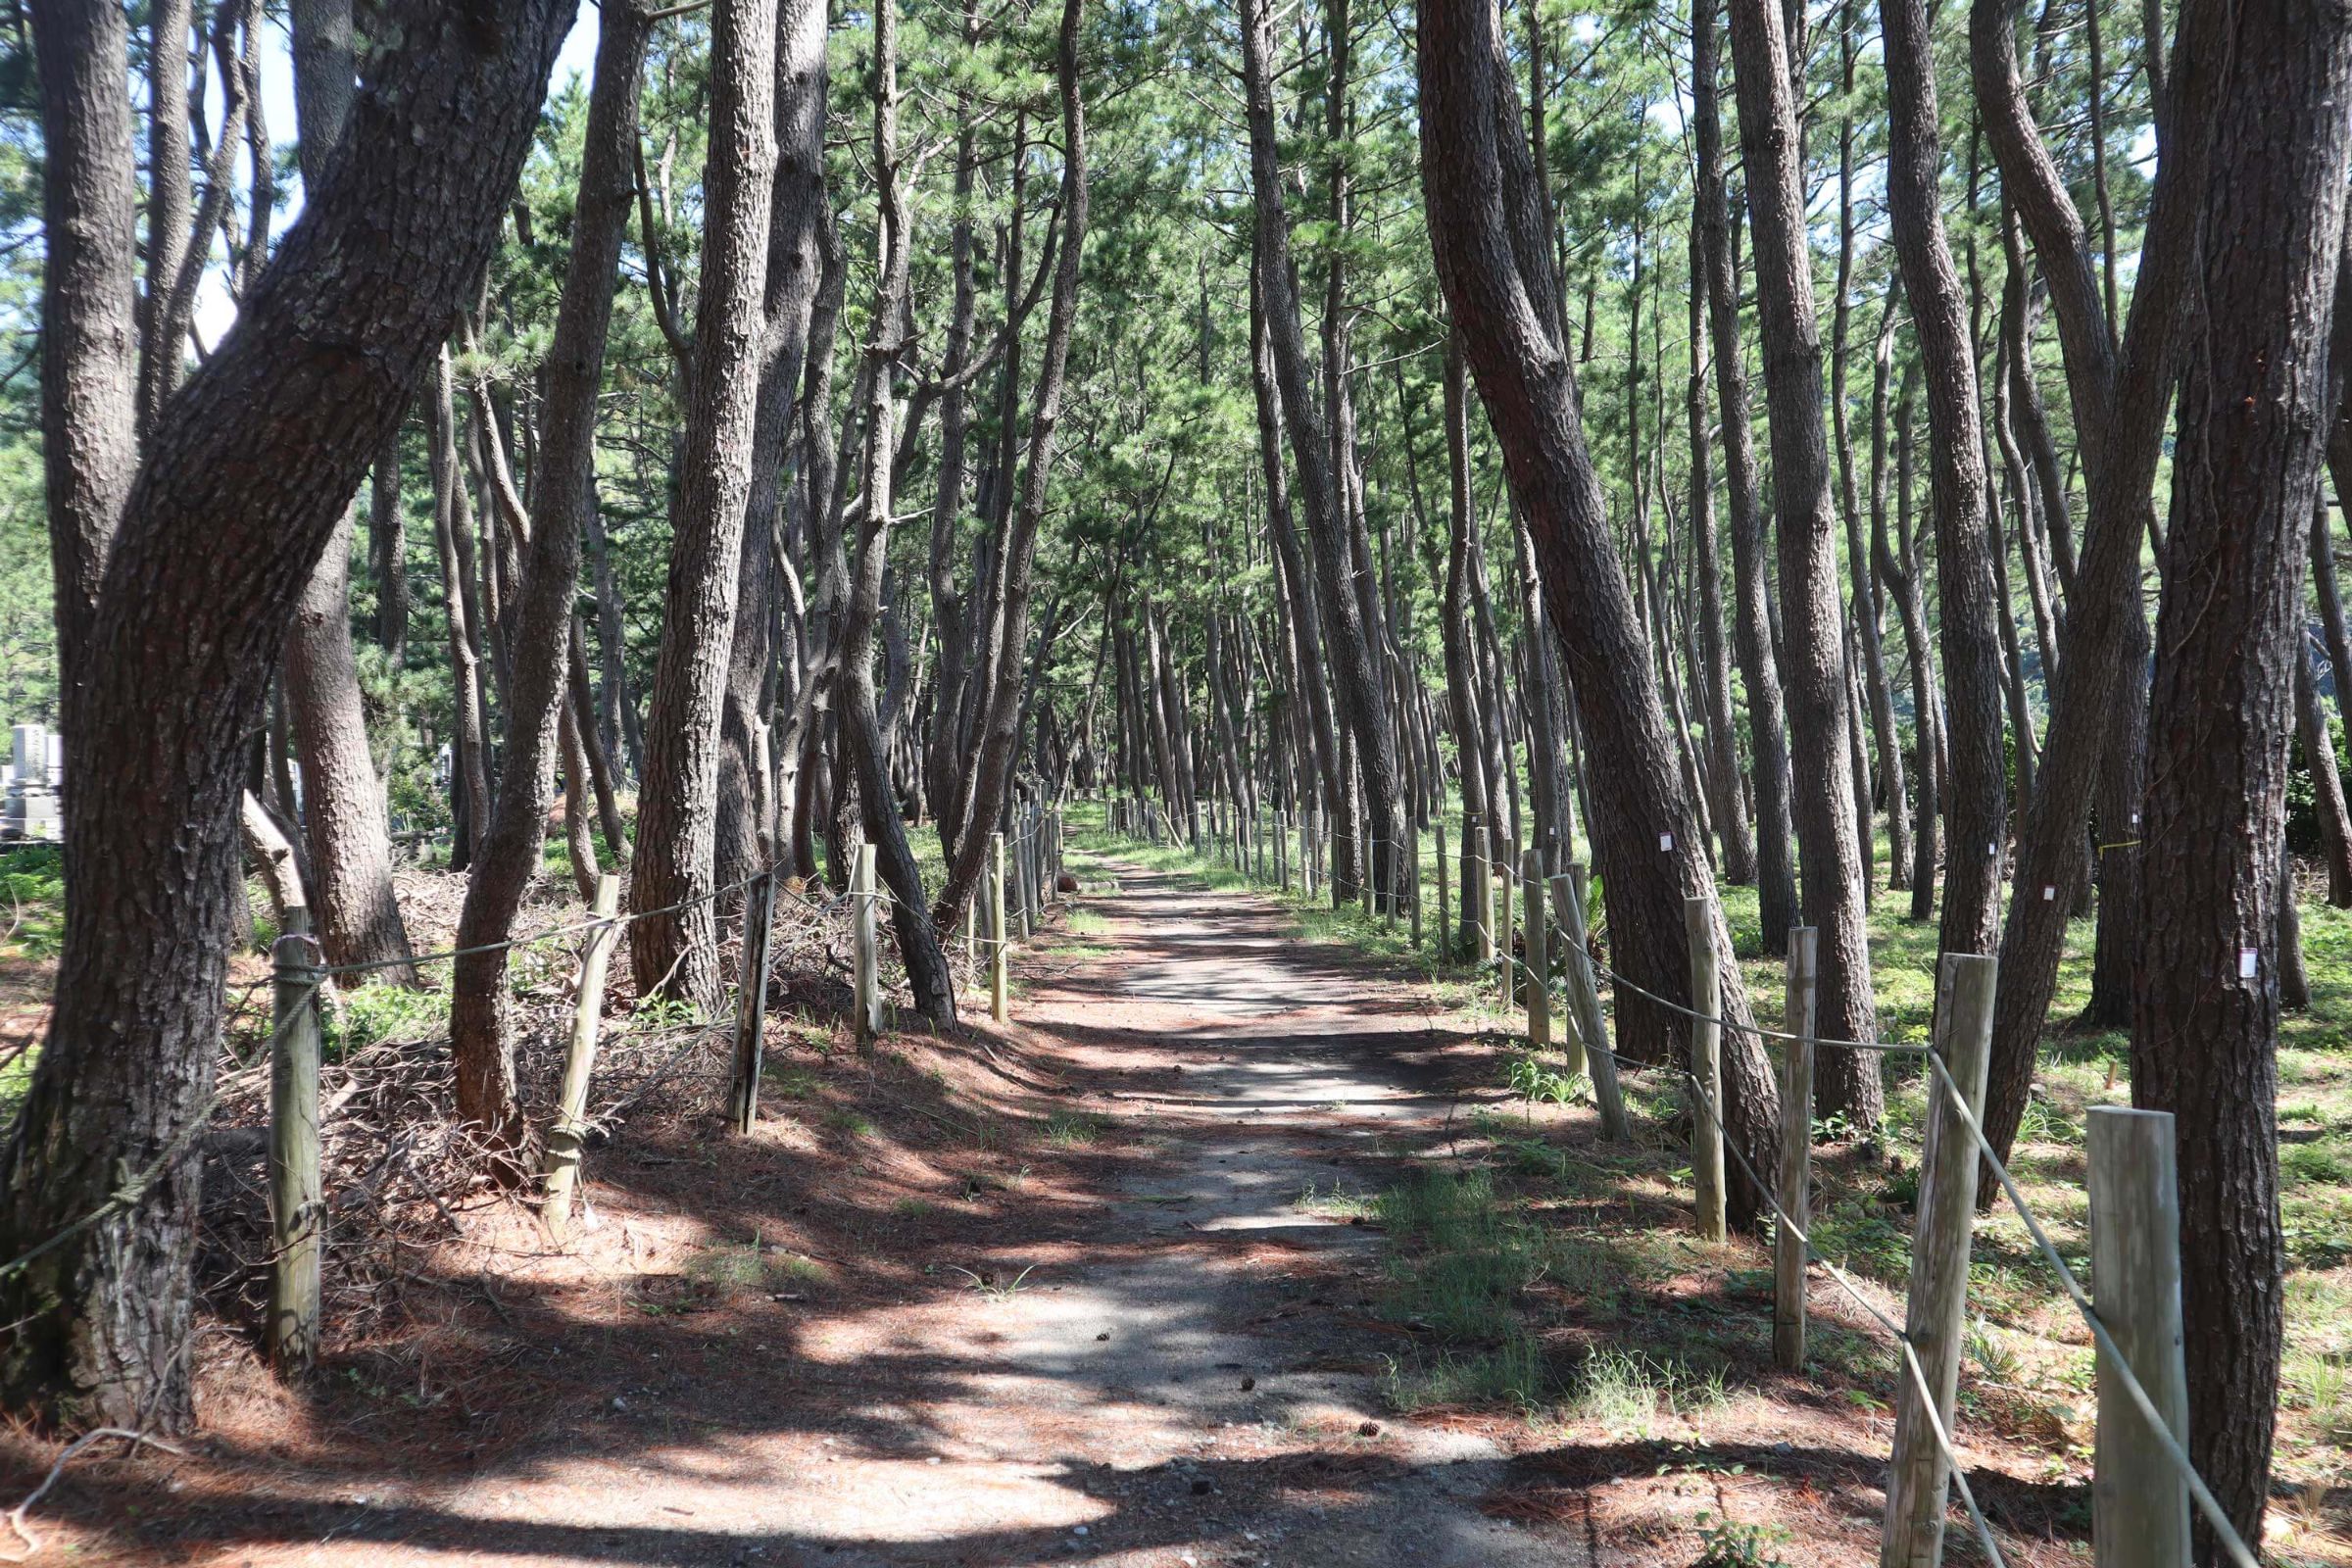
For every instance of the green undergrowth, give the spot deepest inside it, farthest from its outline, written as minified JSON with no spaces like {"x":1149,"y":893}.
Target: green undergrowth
{"x":1520,"y":1297}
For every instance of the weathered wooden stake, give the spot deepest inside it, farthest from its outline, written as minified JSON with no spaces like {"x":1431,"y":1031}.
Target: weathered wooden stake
{"x":564,"y":1138}
{"x":1478,"y":890}
{"x":1000,"y":1000}
{"x":750,"y":994}
{"x":1706,"y":1068}
{"x":1412,"y":870}
{"x":1568,"y":898}
{"x":2140,"y":1503}
{"x":1509,"y":950}
{"x":1937,"y":1309}
{"x":1539,"y":958}
{"x":868,"y":930}
{"x":1445,"y":906}
{"x":1796,"y":1184}
{"x":297,"y":1217}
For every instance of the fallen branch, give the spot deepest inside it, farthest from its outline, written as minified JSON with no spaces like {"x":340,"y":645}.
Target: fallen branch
{"x":16,"y":1515}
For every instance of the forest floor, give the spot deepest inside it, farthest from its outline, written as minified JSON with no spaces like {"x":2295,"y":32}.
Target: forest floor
{"x":1241,"y":1244}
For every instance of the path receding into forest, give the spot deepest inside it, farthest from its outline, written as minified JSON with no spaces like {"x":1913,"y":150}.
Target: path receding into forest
{"x":1171,"y":1360}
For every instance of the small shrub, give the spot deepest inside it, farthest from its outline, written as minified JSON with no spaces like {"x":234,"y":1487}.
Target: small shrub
{"x":1729,"y":1544}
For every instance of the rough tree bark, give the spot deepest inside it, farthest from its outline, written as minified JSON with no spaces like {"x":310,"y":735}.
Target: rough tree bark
{"x":343,"y":811}
{"x":1728,"y":805}
{"x":2120,"y":395}
{"x":89,"y":329}
{"x":1495,"y":265}
{"x":794,"y":267}
{"x":1751,"y":633}
{"x":2253,"y":420}
{"x":1813,"y":657}
{"x":507,"y":855}
{"x":676,"y":953}
{"x":1008,"y":638}
{"x":1362,"y":694}
{"x":860,"y":723}
{"x":246,"y":475}
{"x":1975,"y":805}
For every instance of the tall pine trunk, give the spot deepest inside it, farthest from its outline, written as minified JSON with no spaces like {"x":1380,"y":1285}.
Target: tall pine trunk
{"x":2253,"y":418}
{"x":1821,"y":804}
{"x":245,"y":479}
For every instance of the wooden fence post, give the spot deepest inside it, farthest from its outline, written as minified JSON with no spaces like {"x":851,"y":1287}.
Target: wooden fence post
{"x":1937,"y":1309}
{"x":2140,"y":1503}
{"x":1568,"y":900}
{"x":867,"y":936}
{"x":564,"y":1138}
{"x":751,"y":990}
{"x":1539,"y":958}
{"x":1503,"y":945}
{"x":1478,"y":890}
{"x":1444,"y":909}
{"x":1795,"y":1183}
{"x":1706,"y":1068}
{"x":297,"y":1217}
{"x":999,"y":1002}
{"x":1412,"y":872}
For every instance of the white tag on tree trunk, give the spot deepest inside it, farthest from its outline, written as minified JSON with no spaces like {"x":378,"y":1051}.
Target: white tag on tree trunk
{"x":2246,"y":960}
{"x":1665,"y":843}
{"x":2049,"y":895}
{"x":1993,"y":849}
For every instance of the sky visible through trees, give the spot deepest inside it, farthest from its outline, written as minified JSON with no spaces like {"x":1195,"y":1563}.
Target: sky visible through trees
{"x":1860,"y":465}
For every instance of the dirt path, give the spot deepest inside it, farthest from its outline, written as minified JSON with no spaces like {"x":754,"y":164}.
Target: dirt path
{"x":1162,"y":1356}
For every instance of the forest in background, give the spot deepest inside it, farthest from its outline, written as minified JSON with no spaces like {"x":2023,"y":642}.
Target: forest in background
{"x":1777,"y":447}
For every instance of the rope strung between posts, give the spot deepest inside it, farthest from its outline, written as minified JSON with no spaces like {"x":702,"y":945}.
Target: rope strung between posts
{"x":1902,"y":1340}
{"x":2208,"y":1505}
{"x":131,"y":1186}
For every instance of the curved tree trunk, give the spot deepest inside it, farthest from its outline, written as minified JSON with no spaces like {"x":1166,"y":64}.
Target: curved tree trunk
{"x":1975,"y":805}
{"x":508,"y":857}
{"x":1823,"y":807}
{"x":1751,"y":631}
{"x":246,"y":476}
{"x":343,"y":811}
{"x":1008,"y":637}
{"x":2120,"y":396}
{"x":1362,"y":696}
{"x":1495,"y":262}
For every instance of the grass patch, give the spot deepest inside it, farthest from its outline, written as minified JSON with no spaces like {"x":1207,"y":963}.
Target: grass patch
{"x":1070,"y":1129}
{"x":752,"y":1267}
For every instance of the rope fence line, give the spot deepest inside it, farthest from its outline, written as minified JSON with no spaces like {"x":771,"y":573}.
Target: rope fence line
{"x":1951,"y":1098}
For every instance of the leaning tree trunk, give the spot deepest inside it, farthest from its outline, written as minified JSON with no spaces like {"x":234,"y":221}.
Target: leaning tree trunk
{"x":481,"y":1019}
{"x":862,"y":729}
{"x":244,"y":482}
{"x":343,"y":809}
{"x":1975,"y":805}
{"x":1751,"y":633}
{"x":2252,"y":418}
{"x":1495,"y":262}
{"x":1822,"y":807}
{"x":675,"y":952}
{"x":2119,"y":394}
{"x":1363,"y":697}
{"x":999,"y":730}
